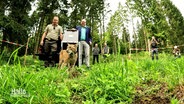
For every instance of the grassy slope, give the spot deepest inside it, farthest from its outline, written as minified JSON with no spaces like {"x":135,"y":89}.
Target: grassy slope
{"x":119,"y":81}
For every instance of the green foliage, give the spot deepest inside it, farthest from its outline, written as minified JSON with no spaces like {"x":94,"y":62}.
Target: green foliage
{"x":160,"y":19}
{"x":16,"y":22}
{"x":174,"y":101}
{"x":117,"y":27}
{"x":90,"y":10}
{"x":175,"y":21}
{"x":112,"y":82}
{"x":32,"y":84}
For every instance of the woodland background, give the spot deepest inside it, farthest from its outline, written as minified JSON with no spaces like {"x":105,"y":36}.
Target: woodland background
{"x":159,"y":18}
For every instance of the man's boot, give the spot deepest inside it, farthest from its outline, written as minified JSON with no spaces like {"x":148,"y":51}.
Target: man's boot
{"x":53,"y":59}
{"x":157,"y":57}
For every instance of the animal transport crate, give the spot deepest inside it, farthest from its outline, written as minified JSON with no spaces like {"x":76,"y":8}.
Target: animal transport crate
{"x":70,"y":37}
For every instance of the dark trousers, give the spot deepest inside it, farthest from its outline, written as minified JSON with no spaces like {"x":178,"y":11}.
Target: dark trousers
{"x":50,"y":48}
{"x":154,"y":52}
{"x":95,"y":57}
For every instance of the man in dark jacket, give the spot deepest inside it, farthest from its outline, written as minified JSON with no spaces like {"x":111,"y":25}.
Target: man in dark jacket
{"x":85,"y":41}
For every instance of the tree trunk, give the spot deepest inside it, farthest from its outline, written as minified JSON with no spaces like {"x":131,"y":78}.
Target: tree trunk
{"x":27,"y":44}
{"x":103,"y":26}
{"x":91,"y":25}
{"x":130,"y":47}
{"x":149,"y":47}
{"x":3,"y":44}
{"x":124,"y":39}
{"x":38,"y":35}
{"x":101,"y":42}
{"x":145,"y":39}
{"x":135,"y":37}
{"x":114,"y":44}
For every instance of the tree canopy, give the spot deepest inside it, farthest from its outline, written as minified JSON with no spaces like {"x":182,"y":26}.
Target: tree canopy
{"x":159,"y":18}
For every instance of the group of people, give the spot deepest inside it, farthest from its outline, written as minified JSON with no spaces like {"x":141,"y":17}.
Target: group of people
{"x":96,"y":52}
{"x":154,"y":49}
{"x":52,"y":31}
{"x":50,"y":37}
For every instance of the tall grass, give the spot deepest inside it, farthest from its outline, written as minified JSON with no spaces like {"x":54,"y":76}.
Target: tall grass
{"x":111,"y":82}
{"x":31,"y":84}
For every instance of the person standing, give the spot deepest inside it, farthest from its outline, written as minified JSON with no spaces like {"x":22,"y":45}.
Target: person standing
{"x":154,"y":47}
{"x":105,"y":50}
{"x":85,"y":40}
{"x":49,"y":40}
{"x":96,"y":52}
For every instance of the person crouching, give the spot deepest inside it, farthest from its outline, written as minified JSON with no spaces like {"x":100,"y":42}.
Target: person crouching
{"x":176,"y":52}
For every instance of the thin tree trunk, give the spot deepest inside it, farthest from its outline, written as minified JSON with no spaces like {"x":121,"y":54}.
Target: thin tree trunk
{"x":27,"y":44}
{"x":91,"y":25}
{"x":149,"y":47}
{"x":124,"y":38}
{"x":103,"y":26}
{"x":129,"y":48}
{"x":38,"y":36}
{"x":3,"y":44}
{"x":101,"y":44}
{"x":145,"y":39}
{"x":115,"y":46}
{"x":135,"y":37}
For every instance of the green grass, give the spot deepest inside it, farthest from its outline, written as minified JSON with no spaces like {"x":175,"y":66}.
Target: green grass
{"x":112,"y":82}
